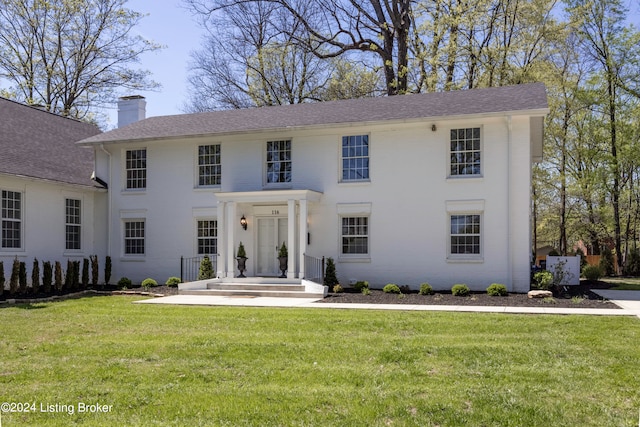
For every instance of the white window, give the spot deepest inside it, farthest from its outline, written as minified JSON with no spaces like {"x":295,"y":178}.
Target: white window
{"x":207,"y":237}
{"x":278,"y":161}
{"x":73,"y":224}
{"x":209,"y":165}
{"x":136,"y":168}
{"x":11,"y":219}
{"x":355,"y":235}
{"x":355,"y":158}
{"x":465,"y":152}
{"x":134,"y":237}
{"x":465,"y":235}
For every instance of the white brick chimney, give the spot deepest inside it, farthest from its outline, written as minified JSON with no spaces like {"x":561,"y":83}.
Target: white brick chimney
{"x":131,"y":109}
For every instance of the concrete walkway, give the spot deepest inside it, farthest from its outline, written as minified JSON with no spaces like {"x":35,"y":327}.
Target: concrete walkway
{"x":629,"y":301}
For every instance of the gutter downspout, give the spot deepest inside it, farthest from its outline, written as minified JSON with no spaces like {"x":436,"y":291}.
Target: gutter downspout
{"x":509,"y":253}
{"x":109,"y":198}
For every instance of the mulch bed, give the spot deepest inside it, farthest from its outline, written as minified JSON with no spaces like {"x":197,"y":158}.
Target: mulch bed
{"x":574,"y":297}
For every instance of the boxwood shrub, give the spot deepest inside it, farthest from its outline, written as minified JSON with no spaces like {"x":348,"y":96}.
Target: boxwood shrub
{"x":172,"y":281}
{"x":426,"y":289}
{"x":592,"y":272}
{"x":149,"y":283}
{"x":360,"y":284}
{"x":497,"y":290}
{"x":460,"y":290}
{"x":391,"y":289}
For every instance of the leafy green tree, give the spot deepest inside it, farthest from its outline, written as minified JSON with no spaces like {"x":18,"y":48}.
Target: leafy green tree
{"x":71,"y":56}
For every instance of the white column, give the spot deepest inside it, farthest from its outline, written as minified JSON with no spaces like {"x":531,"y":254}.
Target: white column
{"x":222,"y":238}
{"x":230,"y":222}
{"x":291,"y":237}
{"x":302,"y":235}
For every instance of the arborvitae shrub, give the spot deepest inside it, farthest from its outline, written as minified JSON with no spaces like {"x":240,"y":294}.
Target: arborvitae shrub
{"x":68,"y":277}
{"x":23,"y":277}
{"x":76,"y":274}
{"x":57,"y":278}
{"x":15,"y":276}
{"x":391,"y":288}
{"x":35,"y":276}
{"x":107,"y":270}
{"x":85,"y":273}
{"x":206,"y":269}
{"x":47,"y":276}
{"x":95,"y":270}
{"x":330,"y":278}
{"x":2,"y":279}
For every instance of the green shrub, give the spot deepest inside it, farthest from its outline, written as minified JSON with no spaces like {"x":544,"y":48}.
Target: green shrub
{"x":360,"y":285}
{"x":15,"y":274}
{"x":107,"y":270}
{"x":426,"y":289}
{"x":85,"y":273}
{"x":405,"y":289}
{"x":497,"y":290}
{"x":330,"y":278}
{"x":35,"y":276}
{"x":2,"y":279}
{"x":95,"y":270}
{"x":22,"y":277}
{"x":366,"y":291}
{"x":124,"y":282}
{"x":57,"y":278}
{"x":47,"y":276}
{"x":460,"y":290}
{"x":543,"y":279}
{"x":606,"y":262}
{"x":206,"y":269}
{"x":337,"y":289}
{"x":632,"y":263}
{"x":592,"y":272}
{"x":172,"y":281}
{"x":391,"y":289}
{"x":149,"y":283}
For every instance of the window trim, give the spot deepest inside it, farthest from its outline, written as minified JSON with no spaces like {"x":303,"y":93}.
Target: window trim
{"x":126,"y":170}
{"x":198,"y":167}
{"x":19,"y":221}
{"x":354,"y":257}
{"x":70,"y":224}
{"x":481,"y":151}
{"x":265,"y":164}
{"x":341,"y":178}
{"x":198,"y":237}
{"x":463,"y":208}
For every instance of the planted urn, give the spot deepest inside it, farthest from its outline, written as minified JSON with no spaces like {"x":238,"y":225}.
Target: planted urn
{"x":241,"y":257}
{"x":283,"y":257}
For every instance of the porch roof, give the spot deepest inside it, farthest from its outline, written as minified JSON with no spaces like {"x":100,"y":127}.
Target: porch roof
{"x":268,"y":196}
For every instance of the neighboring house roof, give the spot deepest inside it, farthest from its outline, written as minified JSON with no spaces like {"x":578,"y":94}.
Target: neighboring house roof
{"x":37,"y":144}
{"x":500,"y":100}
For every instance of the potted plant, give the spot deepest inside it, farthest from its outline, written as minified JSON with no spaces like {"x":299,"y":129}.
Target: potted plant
{"x":283,"y":257}
{"x":241,"y":257}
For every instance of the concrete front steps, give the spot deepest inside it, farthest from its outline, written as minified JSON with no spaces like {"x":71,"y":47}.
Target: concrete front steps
{"x":255,"y":287}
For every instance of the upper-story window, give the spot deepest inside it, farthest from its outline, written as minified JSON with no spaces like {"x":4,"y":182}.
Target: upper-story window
{"x":278,"y":161}
{"x":11,"y":219}
{"x":465,"y":152}
{"x":209,"y":165}
{"x":73,"y":224}
{"x":355,"y":158}
{"x":136,"y":167}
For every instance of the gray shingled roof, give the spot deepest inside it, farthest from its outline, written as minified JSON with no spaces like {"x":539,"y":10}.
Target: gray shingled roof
{"x":37,"y":144}
{"x":508,"y":99}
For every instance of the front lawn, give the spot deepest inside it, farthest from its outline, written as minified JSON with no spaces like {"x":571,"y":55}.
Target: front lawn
{"x":152,"y":365}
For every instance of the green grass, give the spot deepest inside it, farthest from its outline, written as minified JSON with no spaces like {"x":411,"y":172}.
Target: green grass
{"x":623,"y":283}
{"x":237,"y":366}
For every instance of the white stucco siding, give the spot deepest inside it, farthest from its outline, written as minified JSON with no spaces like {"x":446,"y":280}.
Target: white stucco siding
{"x":43,"y":210}
{"x":407,"y":194}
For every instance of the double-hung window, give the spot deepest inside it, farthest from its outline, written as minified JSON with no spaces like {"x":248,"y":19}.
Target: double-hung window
{"x":465,"y":152}
{"x":465,"y":235}
{"x":136,"y":169}
{"x":355,"y":158}
{"x":11,"y":219}
{"x":73,"y":224}
{"x":209,"y":165}
{"x":355,"y":235}
{"x":134,"y":237}
{"x":278,"y":162}
{"x":207,"y":237}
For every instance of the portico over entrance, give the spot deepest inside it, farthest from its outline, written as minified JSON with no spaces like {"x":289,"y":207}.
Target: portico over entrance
{"x":273,"y":217}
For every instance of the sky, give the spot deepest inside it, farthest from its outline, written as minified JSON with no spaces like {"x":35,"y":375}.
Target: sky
{"x":169,"y":24}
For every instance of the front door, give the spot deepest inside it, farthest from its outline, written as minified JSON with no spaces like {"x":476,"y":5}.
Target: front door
{"x":271,"y":233}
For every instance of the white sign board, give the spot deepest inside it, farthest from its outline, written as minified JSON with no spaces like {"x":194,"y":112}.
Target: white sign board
{"x":565,"y":269}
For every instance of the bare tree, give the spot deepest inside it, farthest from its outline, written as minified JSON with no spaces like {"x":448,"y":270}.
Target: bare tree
{"x":70,"y":56}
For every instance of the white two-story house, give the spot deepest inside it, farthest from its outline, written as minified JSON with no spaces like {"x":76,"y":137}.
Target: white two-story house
{"x":406,"y":189}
